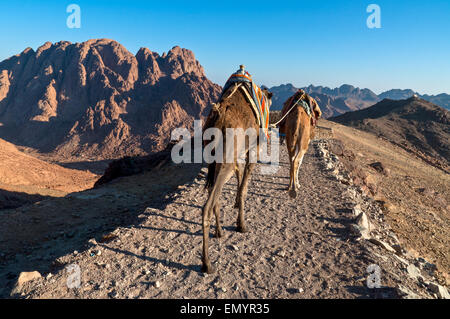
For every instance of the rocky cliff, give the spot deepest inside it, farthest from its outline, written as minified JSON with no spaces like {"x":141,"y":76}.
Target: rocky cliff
{"x":96,"y":99}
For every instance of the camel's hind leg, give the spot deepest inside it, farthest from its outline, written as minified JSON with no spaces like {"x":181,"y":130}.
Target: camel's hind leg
{"x":242,"y":194}
{"x":240,"y":167}
{"x":297,"y":163}
{"x":225,"y":171}
{"x":292,"y":156}
{"x":302,"y":147}
{"x":219,"y":231}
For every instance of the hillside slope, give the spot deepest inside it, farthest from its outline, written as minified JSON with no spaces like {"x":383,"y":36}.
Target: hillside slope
{"x":416,"y":125}
{"x":22,"y":171}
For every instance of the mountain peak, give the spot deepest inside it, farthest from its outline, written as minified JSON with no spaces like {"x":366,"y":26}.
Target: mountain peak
{"x":99,"y":97}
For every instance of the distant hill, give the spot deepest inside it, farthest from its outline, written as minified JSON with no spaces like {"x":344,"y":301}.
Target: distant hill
{"x":280,"y":94}
{"x":332,"y":101}
{"x":349,"y":98}
{"x":415,"y":124}
{"x":442,"y":99}
{"x":355,"y":97}
{"x":397,"y":94}
{"x":331,"y":106}
{"x":96,"y":99}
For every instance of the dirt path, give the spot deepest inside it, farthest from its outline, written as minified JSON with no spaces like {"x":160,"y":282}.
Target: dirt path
{"x":300,"y":248}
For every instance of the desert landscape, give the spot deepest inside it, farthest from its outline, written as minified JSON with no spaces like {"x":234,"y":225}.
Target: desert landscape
{"x":87,"y":179}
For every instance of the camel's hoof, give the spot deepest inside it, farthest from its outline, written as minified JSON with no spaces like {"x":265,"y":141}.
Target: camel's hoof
{"x":218,"y":234}
{"x":241,"y":229}
{"x":236,"y":205}
{"x":208,"y":269}
{"x":293,"y":193}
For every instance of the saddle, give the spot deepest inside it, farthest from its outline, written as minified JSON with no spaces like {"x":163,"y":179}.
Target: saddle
{"x":241,"y":79}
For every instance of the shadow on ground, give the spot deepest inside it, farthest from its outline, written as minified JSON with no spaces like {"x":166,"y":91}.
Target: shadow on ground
{"x":33,"y":237}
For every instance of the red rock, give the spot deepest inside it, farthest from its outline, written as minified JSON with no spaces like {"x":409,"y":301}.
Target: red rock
{"x":98,"y":100}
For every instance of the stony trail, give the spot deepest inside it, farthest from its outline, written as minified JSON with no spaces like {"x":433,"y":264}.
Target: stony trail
{"x":295,"y":248}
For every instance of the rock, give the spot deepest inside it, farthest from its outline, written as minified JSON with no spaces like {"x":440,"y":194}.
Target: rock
{"x":280,"y":253}
{"x":405,"y":293}
{"x":402,"y":260}
{"x":439,"y":290}
{"x":294,"y":290}
{"x":413,"y":271}
{"x":49,"y":275}
{"x":363,"y":221}
{"x":27,"y":276}
{"x":234,"y":247}
{"x":157,"y":284}
{"x":380,"y":168}
{"x":356,"y":210}
{"x":429,"y":267}
{"x":360,"y":231}
{"x":382,"y":244}
{"x":398,"y":249}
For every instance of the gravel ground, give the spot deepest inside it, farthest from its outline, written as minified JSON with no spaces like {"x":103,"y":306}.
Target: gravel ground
{"x":295,"y":248}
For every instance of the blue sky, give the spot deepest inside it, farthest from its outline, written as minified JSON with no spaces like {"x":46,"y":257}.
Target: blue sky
{"x":301,"y":42}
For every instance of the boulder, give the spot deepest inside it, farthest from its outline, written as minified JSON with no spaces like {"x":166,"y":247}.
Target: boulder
{"x":439,"y":290}
{"x":380,"y":168}
{"x":27,"y":276}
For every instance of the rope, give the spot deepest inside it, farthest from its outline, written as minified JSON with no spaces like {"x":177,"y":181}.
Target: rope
{"x":236,"y":86}
{"x":292,"y":107}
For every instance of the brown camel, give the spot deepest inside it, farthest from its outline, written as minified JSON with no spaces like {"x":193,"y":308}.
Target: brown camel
{"x":232,"y":111}
{"x":298,"y":127}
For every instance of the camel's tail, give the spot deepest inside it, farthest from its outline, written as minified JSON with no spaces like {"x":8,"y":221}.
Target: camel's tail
{"x":211,"y":175}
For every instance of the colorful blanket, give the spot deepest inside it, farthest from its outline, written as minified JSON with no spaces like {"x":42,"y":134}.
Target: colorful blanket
{"x":259,"y":99}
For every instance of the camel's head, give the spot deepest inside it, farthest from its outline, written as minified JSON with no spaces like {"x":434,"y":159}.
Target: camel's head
{"x":269,"y":97}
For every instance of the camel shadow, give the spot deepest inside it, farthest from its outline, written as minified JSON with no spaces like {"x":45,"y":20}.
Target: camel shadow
{"x":156,"y":261}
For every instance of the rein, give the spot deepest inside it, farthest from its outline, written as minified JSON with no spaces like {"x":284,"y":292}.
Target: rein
{"x":287,"y":113}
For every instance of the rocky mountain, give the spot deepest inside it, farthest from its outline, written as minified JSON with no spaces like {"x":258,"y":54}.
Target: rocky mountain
{"x":354,"y":97}
{"x":331,"y":106}
{"x":96,"y":99}
{"x":415,"y":124}
{"x":332,"y":101}
{"x":443,"y":99}
{"x":348,"y":98}
{"x":397,"y":94}
{"x":280,"y":94}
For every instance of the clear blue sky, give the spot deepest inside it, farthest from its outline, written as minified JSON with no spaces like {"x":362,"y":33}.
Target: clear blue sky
{"x":301,"y":42}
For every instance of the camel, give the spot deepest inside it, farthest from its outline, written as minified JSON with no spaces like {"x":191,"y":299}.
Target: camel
{"x":298,"y":127}
{"x":233,"y":110}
